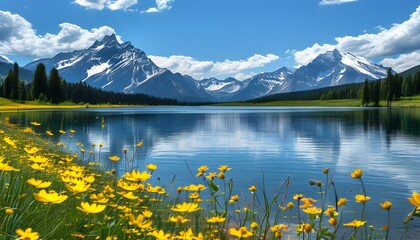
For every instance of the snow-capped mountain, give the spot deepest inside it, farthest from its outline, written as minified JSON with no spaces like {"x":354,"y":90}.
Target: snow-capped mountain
{"x":121,"y":67}
{"x":264,"y":84}
{"x":335,"y":68}
{"x":329,"y":69}
{"x":4,"y":59}
{"x":222,"y":90}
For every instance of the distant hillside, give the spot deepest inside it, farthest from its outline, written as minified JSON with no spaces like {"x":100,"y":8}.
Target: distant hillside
{"x":410,"y":71}
{"x":315,"y":94}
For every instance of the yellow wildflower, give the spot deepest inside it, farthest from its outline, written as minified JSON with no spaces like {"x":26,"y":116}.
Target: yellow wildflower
{"x":216,"y":219}
{"x":361,"y":198}
{"x":254,"y":225}
{"x":252,"y":188}
{"x":330,"y":211}
{"x":62,"y":131}
{"x":91,"y":208}
{"x":32,"y":150}
{"x":333,"y":221}
{"x":160,"y":235}
{"x":290,"y":205}
{"x":357,"y":173}
{"x":355,"y":223}
{"x":130,"y":196}
{"x":7,"y":168}
{"x":151,"y":167}
{"x":37,"y":166}
{"x":386,"y":205}
{"x":9,"y":141}
{"x":50,"y":197}
{"x":298,"y":197}
{"x":49,"y":133}
{"x":38,"y":159}
{"x":240,"y":233}
{"x":194,"y":195}
{"x":27,"y":234}
{"x":186,"y":207}
{"x":38,"y":183}
{"x":193,"y":187}
{"x":341,"y":202}
{"x":224,"y":168}
{"x":211,"y":176}
{"x":415,"y":200}
{"x":308,"y":202}
{"x":326,"y":170}
{"x":28,"y":130}
{"x":78,"y":188}
{"x":36,"y":124}
{"x":9,"y":211}
{"x":202,"y":170}
{"x":137,"y":176}
{"x":178,"y":219}
{"x":307,"y":227}
{"x":114,"y":158}
{"x":140,"y":143}
{"x":312,"y":210}
{"x":141,"y":221}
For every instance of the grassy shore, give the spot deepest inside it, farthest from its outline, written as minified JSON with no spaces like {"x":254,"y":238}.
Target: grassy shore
{"x":50,"y":192}
{"x":8,"y":105}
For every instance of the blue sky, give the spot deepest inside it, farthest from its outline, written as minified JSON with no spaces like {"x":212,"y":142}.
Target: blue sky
{"x":206,"y":38}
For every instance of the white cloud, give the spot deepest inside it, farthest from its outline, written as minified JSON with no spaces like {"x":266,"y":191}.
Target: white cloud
{"x":403,"y":62}
{"x":95,"y":4}
{"x":114,"y":5}
{"x":161,"y":5}
{"x":203,"y":69}
{"x":121,"y":4}
{"x":401,"y":38}
{"x":17,"y":37}
{"x":335,"y":2}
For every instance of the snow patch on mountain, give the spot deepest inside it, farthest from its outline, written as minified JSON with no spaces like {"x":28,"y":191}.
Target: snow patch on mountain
{"x":69,"y":62}
{"x":95,"y":69}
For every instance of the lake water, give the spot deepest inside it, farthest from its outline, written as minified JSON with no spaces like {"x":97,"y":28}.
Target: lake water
{"x":261,"y":143}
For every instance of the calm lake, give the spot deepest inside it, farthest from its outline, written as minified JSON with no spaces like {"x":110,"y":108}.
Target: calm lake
{"x":261,"y":144}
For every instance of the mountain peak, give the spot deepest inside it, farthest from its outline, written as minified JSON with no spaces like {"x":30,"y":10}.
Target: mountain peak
{"x":107,"y":40}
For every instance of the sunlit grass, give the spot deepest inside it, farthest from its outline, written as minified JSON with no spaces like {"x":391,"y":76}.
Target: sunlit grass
{"x":49,"y":192}
{"x":9,"y":105}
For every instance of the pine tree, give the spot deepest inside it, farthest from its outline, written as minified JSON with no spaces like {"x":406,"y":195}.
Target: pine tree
{"x":376,"y":93}
{"x":390,"y":87}
{"x":7,"y":87}
{"x":16,"y":70}
{"x":365,"y":93}
{"x":39,"y":82}
{"x":21,"y":91}
{"x":407,"y":86}
{"x":14,"y":94}
{"x":416,"y":83}
{"x":55,"y":86}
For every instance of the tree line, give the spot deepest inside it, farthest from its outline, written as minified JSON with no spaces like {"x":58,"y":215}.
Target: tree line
{"x":392,"y":88}
{"x":54,"y":89}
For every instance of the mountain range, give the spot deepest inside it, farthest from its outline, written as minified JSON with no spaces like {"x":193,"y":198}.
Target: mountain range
{"x":120,"y":67}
